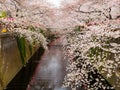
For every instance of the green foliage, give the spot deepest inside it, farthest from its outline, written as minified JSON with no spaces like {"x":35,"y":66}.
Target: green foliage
{"x":3,"y":14}
{"x":93,"y":52}
{"x":31,"y":28}
{"x":50,"y":36}
{"x":30,"y":49}
{"x":22,"y":48}
{"x":77,"y":28}
{"x":47,"y":33}
{"x":41,"y":31}
{"x":96,"y":52}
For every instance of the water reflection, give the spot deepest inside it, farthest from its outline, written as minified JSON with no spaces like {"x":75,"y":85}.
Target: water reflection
{"x":50,"y":72}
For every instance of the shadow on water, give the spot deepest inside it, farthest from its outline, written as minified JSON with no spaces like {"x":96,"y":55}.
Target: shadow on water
{"x":50,"y":72}
{"x":22,"y":79}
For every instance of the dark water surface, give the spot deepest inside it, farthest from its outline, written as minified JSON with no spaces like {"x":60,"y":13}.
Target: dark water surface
{"x":50,"y":72}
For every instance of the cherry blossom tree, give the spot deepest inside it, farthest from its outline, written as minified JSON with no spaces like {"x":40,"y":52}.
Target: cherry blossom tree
{"x":93,"y":46}
{"x":92,"y":41}
{"x":22,"y":14}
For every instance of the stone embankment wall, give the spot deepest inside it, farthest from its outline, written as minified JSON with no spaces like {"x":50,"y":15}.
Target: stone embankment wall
{"x":10,"y":60}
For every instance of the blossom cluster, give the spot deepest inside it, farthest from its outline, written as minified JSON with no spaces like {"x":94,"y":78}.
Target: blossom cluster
{"x":34,"y":37}
{"x":95,"y":50}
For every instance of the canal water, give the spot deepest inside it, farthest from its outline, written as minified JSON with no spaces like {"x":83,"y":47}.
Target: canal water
{"x":50,"y":72}
{"x":51,"y":69}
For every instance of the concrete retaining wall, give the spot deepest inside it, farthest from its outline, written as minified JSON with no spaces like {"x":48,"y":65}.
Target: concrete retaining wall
{"x":10,"y":60}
